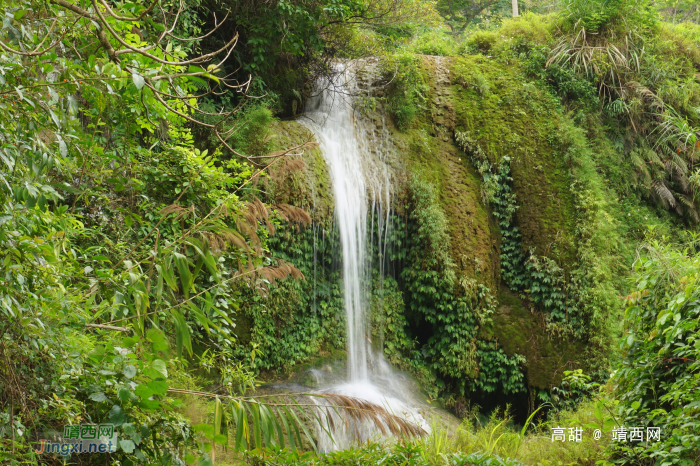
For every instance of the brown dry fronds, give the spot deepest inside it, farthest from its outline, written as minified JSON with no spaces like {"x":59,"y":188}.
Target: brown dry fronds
{"x":351,"y":410}
{"x":292,"y":213}
{"x":280,"y":271}
{"x":177,"y":209}
{"x":355,"y":411}
{"x":220,"y":236}
{"x":261,"y":277}
{"x":256,"y":212}
{"x":218,"y":242}
{"x":285,"y":169}
{"x":250,"y":230}
{"x":645,"y":93}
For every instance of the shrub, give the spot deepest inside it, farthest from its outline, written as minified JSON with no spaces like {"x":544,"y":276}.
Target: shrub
{"x":408,"y":91}
{"x":531,"y":28}
{"x":658,"y":383}
{"x":434,"y":42}
{"x":596,"y":15}
{"x":481,"y":41}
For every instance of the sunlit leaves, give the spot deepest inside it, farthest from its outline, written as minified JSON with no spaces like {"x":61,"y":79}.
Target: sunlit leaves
{"x":657,"y":382}
{"x":139,"y":81}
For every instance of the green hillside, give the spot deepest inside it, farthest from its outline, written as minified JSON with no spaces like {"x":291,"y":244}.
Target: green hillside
{"x":169,"y":249}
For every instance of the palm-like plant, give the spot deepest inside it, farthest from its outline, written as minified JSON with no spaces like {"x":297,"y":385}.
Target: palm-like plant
{"x":288,"y":420}
{"x":660,"y":115}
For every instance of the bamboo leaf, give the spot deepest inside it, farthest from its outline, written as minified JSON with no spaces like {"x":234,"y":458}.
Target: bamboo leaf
{"x":255,"y":430}
{"x":287,"y":429}
{"x":278,"y":427}
{"x":241,"y":419}
{"x":266,"y":425}
{"x":292,"y":422}
{"x":182,"y":333}
{"x":305,"y":430}
{"x":183,"y":269}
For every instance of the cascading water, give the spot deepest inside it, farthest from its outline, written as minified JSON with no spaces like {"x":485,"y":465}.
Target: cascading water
{"x":332,"y":122}
{"x":360,"y":178}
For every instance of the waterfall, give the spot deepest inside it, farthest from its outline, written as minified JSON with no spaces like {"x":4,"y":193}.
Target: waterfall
{"x":332,"y":122}
{"x":360,"y":180}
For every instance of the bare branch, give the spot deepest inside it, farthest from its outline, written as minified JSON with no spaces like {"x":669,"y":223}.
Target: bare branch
{"x":126,"y":18}
{"x":109,"y":327}
{"x":200,"y":59}
{"x":216,"y":26}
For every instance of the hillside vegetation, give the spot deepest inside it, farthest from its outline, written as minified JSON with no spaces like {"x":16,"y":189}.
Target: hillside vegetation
{"x":168,"y":244}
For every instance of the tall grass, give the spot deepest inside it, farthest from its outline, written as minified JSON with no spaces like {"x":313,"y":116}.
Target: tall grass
{"x":530,"y":444}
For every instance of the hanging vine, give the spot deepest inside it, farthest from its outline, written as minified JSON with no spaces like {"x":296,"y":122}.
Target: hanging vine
{"x":538,"y":278}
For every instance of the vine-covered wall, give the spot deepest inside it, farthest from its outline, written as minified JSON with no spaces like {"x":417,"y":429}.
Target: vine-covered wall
{"x":500,"y":272}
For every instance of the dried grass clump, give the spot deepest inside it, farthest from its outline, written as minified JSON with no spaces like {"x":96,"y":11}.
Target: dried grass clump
{"x":355,"y":411}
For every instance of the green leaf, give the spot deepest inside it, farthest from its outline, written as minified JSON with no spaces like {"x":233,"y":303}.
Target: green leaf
{"x":129,"y":371}
{"x":206,"y":429}
{"x":183,"y":269}
{"x":158,"y":387}
{"x":150,"y":405}
{"x":128,"y":342}
{"x":139,"y":81}
{"x":124,"y":394}
{"x":144,"y":392}
{"x":99,"y":397}
{"x":116,"y":416}
{"x":127,"y":445}
{"x":159,"y":366}
{"x":241,"y":422}
{"x":157,"y":337}
{"x":182,"y":333}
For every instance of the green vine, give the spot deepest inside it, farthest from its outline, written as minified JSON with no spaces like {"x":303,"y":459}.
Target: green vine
{"x":539,"y":277}
{"x":455,"y":309}
{"x":294,"y":319}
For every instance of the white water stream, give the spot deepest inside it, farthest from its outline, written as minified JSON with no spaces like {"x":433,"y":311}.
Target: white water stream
{"x":360,"y":179}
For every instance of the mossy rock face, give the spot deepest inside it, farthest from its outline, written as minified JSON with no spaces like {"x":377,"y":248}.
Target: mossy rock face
{"x":308,"y":187}
{"x":518,"y":330}
{"x":427,"y":151}
{"x":509,"y":116}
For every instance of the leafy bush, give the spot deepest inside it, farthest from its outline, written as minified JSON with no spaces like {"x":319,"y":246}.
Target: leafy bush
{"x":481,"y":41}
{"x":434,"y":42}
{"x":657,"y":382}
{"x":575,"y":387}
{"x":595,"y":15}
{"x":408,"y":91}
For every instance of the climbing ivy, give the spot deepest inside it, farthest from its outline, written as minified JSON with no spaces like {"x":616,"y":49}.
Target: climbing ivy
{"x":390,"y":331}
{"x":454,"y":308}
{"x":497,"y":370}
{"x":424,"y":318}
{"x":539,"y":278}
{"x":290,"y":320}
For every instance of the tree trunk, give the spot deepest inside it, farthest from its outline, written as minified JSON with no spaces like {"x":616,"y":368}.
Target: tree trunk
{"x":515,"y":9}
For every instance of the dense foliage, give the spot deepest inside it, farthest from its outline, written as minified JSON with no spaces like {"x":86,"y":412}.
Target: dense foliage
{"x":120,"y":239}
{"x":657,"y":382}
{"x":455,"y":308}
{"x":156,"y":250}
